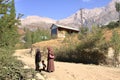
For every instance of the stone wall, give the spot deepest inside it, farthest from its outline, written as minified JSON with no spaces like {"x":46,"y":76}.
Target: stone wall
{"x":111,"y":61}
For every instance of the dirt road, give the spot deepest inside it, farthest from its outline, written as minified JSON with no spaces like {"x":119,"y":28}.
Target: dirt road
{"x":73,"y":71}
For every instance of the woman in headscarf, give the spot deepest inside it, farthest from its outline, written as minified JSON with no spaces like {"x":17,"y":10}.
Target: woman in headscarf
{"x":50,"y":58}
{"x":37,"y":59}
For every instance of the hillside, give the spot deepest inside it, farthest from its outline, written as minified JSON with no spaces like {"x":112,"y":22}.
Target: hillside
{"x":61,"y":41}
{"x":71,"y":71}
{"x":53,"y":43}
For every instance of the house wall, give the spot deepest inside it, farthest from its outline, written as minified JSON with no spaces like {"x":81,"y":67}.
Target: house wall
{"x":58,"y":32}
{"x":61,"y":33}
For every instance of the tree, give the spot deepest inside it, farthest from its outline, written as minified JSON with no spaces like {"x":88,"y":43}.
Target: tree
{"x":8,"y":21}
{"x":117,"y":6}
{"x":28,"y":38}
{"x":83,"y":32}
{"x":112,"y":25}
{"x":32,"y":37}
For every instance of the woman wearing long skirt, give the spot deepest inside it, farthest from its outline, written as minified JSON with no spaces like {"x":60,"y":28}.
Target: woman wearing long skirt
{"x":50,"y":58}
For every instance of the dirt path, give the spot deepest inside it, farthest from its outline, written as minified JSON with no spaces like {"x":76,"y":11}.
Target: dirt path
{"x":72,"y":71}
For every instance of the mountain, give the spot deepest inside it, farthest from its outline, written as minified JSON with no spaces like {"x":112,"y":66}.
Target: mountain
{"x":96,"y":16}
{"x":34,"y":22}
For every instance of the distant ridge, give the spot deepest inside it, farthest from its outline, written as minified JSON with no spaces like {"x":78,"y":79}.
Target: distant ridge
{"x":96,"y":16}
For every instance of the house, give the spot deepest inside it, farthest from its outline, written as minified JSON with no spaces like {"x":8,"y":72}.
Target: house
{"x":59,"y":31}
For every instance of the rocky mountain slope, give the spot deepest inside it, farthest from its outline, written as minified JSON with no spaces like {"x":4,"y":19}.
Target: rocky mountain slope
{"x":96,"y":16}
{"x":34,"y":22}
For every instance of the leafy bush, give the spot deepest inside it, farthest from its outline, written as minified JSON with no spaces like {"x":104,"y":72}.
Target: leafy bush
{"x":10,"y":68}
{"x":112,"y":25}
{"x":83,"y":32}
{"x":90,"y":50}
{"x":65,"y":54}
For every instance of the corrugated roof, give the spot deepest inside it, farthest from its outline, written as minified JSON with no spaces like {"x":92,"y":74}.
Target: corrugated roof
{"x":66,"y":27}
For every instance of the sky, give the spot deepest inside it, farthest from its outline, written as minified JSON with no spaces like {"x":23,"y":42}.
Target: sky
{"x":55,"y":9}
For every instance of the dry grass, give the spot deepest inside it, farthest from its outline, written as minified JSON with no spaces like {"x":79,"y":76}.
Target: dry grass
{"x":108,"y":33}
{"x":55,"y":43}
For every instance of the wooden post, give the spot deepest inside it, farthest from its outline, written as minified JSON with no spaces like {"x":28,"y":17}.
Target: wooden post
{"x":81,"y":14}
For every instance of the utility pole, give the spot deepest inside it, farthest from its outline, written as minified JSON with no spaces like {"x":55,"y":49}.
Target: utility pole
{"x":81,"y":16}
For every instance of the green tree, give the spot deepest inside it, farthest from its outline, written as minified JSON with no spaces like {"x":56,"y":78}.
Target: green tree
{"x":8,"y":24}
{"x":112,"y":25}
{"x":117,"y":6}
{"x":36,"y":36}
{"x":83,"y":32}
{"x":28,"y":38}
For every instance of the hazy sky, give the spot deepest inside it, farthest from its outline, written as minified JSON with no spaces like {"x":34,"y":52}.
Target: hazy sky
{"x":55,"y":9}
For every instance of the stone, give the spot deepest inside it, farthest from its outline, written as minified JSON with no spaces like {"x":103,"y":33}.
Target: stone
{"x":26,"y":67}
{"x":39,"y":76}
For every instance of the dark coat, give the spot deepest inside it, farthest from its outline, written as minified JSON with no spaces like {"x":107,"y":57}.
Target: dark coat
{"x":38,"y":56}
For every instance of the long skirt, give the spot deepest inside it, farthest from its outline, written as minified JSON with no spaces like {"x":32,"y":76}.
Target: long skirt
{"x":50,"y":65}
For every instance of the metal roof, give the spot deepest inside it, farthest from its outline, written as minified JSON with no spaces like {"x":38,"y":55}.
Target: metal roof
{"x":65,"y":27}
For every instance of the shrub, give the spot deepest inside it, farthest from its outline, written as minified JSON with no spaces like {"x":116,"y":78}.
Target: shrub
{"x":112,"y":25}
{"x":66,"y":54}
{"x":90,"y":50}
{"x":10,"y":68}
